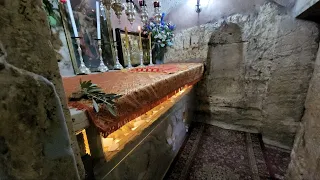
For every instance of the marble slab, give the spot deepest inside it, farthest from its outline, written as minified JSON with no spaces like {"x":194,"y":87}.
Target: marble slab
{"x":150,"y":155}
{"x":80,"y":120}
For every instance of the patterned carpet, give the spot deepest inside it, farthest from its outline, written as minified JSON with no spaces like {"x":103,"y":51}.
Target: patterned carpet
{"x":218,"y":154}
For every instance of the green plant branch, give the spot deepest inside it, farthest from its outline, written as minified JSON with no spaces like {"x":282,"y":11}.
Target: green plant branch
{"x":88,"y":90}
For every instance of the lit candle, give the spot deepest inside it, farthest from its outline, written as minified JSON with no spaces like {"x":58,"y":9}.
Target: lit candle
{"x":126,"y":38}
{"x":73,"y":23}
{"x":98,"y":20}
{"x":149,"y":37}
{"x":140,"y":39}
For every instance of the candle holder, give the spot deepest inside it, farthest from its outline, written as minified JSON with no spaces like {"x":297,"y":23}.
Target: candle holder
{"x":157,"y":14}
{"x":144,"y":13}
{"x":150,"y":55}
{"x":130,"y":11}
{"x":117,"y":65}
{"x":129,"y":60}
{"x":83,"y":69}
{"x":102,"y":67}
{"x":141,"y":59}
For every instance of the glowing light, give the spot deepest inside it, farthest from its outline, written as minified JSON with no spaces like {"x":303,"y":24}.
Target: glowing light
{"x":86,"y":143}
{"x":117,"y":140}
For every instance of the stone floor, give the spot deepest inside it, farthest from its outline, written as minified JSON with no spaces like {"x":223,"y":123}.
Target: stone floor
{"x":218,"y":154}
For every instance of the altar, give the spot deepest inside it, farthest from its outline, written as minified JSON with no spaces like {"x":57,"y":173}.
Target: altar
{"x":153,"y":117}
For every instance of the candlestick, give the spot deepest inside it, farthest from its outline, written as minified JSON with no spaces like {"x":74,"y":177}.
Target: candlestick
{"x":129,"y":59}
{"x":102,"y":67}
{"x":98,"y":19}
{"x":83,"y":69}
{"x":150,"y":54}
{"x":141,"y":59}
{"x":149,"y":37}
{"x":126,"y":38}
{"x":140,"y":39}
{"x":117,"y":65}
{"x":150,"y":49}
{"x":73,"y":23}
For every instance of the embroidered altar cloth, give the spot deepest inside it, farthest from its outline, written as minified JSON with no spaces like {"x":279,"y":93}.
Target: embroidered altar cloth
{"x":142,"y":88}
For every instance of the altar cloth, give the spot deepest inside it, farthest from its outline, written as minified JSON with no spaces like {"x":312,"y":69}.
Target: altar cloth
{"x":141,"y":90}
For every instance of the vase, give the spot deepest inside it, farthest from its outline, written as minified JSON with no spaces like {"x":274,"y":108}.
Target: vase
{"x":158,"y":54}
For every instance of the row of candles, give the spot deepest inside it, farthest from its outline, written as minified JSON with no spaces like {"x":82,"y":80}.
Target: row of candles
{"x":102,"y":67}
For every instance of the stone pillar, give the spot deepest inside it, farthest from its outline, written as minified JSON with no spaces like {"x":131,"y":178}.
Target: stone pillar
{"x":35,"y":121}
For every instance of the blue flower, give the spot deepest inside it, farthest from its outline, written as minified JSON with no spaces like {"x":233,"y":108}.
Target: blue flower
{"x":162,"y":17}
{"x":172,"y":27}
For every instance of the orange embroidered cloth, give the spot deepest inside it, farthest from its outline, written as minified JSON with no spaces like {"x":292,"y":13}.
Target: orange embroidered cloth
{"x":165,"y":68}
{"x":140,"y":90}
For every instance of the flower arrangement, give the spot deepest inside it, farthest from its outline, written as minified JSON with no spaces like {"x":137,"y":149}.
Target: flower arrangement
{"x":162,"y":33}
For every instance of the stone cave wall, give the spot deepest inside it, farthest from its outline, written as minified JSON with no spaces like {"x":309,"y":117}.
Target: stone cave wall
{"x":35,"y":130}
{"x":302,"y":5}
{"x":258,"y":68}
{"x":305,"y":157}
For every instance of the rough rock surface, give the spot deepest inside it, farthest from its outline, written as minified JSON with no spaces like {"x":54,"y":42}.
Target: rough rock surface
{"x":305,"y":157}
{"x":31,"y":124}
{"x":302,"y":5}
{"x":258,"y":68}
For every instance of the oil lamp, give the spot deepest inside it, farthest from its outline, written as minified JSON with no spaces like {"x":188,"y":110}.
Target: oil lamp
{"x":130,"y":11}
{"x":107,"y":3}
{"x":157,"y":14}
{"x":117,"y":7}
{"x":144,"y":12}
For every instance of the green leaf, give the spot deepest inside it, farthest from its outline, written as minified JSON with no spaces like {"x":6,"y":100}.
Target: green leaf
{"x":95,"y":93}
{"x":95,"y":105}
{"x":94,"y":90}
{"x":52,"y":21}
{"x":111,"y":109}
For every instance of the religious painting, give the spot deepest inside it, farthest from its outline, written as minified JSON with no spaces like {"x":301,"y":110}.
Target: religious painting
{"x":85,"y":17}
{"x":58,"y":37}
{"x":134,"y":48}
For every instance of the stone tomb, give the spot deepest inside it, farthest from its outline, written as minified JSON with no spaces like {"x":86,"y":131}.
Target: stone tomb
{"x":144,"y":146}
